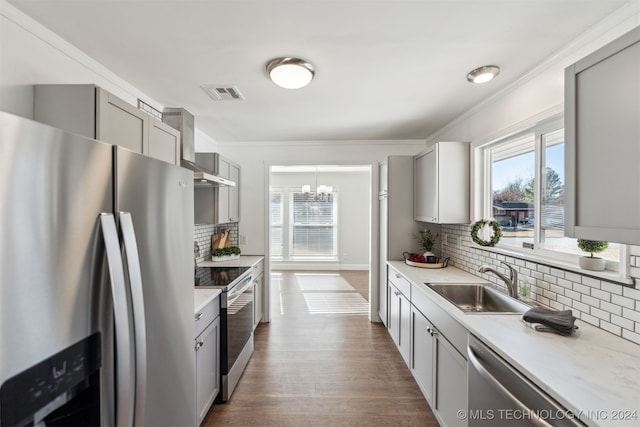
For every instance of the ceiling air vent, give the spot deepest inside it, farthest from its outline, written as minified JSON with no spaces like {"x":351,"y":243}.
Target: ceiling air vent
{"x":223,"y":92}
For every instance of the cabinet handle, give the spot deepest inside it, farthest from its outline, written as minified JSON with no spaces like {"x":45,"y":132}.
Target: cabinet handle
{"x":432,"y":332}
{"x":396,"y":293}
{"x":198,"y":316}
{"x":398,"y":276}
{"x":199,"y":344}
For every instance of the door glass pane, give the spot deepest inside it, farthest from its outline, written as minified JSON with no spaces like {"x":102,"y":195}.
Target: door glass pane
{"x":512,"y":189}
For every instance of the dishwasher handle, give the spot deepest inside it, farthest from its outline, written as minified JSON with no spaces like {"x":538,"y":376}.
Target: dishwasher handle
{"x":535,"y":419}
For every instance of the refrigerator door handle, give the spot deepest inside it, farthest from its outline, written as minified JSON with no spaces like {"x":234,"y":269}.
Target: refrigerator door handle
{"x":137,"y":300}
{"x":124,"y":390}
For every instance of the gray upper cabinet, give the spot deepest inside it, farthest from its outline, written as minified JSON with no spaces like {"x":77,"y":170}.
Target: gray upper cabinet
{"x":441,"y":184}
{"x":602,"y":134}
{"x":218,"y":205}
{"x":93,"y":112}
{"x":164,"y":142}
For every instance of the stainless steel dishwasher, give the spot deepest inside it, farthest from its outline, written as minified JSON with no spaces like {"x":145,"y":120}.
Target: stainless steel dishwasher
{"x":499,"y":395}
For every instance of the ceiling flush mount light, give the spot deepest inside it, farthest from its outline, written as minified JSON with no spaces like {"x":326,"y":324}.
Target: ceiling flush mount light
{"x":290,"y":73}
{"x":483,"y":74}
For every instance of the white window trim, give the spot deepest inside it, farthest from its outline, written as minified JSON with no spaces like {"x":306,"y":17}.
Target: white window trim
{"x":481,"y":202}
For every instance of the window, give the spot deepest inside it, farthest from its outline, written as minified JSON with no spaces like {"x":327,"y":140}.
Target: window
{"x":308,"y":231}
{"x":526,"y":175}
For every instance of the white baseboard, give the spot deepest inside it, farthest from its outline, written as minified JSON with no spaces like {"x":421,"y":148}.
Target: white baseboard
{"x":322,"y":266}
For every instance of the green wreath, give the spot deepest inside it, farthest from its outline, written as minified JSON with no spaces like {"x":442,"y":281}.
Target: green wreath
{"x":478,"y":225}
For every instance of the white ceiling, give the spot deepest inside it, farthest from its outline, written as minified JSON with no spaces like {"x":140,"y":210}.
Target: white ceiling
{"x":385,"y":69}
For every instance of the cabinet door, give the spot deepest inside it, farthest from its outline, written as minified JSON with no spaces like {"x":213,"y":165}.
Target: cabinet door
{"x":405,"y":329}
{"x":164,"y":142}
{"x":121,"y":123}
{"x":234,"y":193}
{"x":602,"y":131}
{"x":222,"y":193}
{"x":423,"y":353}
{"x":451,"y":384}
{"x":426,"y":186}
{"x":393,"y":325}
{"x":258,"y":297}
{"x":207,"y":368}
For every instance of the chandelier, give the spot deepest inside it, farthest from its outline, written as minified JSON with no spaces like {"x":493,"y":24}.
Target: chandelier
{"x":321,"y":192}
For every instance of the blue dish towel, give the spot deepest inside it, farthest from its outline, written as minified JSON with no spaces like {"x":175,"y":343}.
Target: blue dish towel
{"x":545,"y":320}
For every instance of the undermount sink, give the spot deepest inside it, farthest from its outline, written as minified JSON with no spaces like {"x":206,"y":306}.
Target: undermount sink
{"x":479,"y":298}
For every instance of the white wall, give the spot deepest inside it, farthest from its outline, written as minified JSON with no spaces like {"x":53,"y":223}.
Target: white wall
{"x":353,"y":200}
{"x":254,"y":159}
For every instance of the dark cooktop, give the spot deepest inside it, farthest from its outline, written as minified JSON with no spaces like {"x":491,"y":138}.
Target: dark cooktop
{"x":218,"y":276}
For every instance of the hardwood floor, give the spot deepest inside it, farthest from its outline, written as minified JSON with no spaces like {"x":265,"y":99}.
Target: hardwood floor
{"x":320,"y":362}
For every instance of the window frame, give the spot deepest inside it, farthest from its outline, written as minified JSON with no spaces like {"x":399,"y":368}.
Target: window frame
{"x":484,"y":203}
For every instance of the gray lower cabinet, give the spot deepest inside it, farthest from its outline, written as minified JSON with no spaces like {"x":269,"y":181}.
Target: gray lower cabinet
{"x":451,"y":384}
{"x":423,"y":354}
{"x":207,"y":353}
{"x":433,"y":345}
{"x":399,"y":320}
{"x":93,"y":112}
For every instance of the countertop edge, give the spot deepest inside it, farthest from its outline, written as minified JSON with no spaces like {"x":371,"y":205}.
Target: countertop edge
{"x":202,"y":297}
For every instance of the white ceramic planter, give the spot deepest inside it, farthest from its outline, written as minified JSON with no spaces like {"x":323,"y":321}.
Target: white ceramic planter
{"x":592,"y":263}
{"x":224,"y":258}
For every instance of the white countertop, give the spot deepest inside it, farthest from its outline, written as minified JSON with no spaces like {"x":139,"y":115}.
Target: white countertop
{"x":243,"y":261}
{"x":202,"y":297}
{"x":593,"y":373}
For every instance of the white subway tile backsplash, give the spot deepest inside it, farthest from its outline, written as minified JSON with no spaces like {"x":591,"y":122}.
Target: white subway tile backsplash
{"x":573,"y":277}
{"x":622,"y":322}
{"x":590,"y":319}
{"x":601,"y":295}
{"x":580,"y":306}
{"x":600,"y":314}
{"x":610,"y":306}
{"x":631,"y":336}
{"x":591,"y":282}
{"x":582,"y":289}
{"x":611,"y":287}
{"x":625,"y":302}
{"x":631,"y":293}
{"x":631,"y":314}
{"x":617,"y":330}
{"x":594,"y":302}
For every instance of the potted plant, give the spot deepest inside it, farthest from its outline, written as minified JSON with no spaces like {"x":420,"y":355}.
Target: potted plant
{"x":593,"y":247}
{"x":225,"y":254}
{"x":427,"y":239}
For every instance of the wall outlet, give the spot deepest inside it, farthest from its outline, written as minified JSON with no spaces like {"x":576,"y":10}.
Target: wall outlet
{"x":243,"y":239}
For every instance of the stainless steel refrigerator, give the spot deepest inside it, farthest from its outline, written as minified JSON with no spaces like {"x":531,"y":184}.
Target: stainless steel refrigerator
{"x":96,"y":286}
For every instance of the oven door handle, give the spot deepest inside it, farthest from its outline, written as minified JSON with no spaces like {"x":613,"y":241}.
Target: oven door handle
{"x":239,"y":289}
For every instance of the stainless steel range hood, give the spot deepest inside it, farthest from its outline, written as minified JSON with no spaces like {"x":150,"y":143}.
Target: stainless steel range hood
{"x":183,"y":120}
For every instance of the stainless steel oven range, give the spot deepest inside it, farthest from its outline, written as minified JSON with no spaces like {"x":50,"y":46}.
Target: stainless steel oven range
{"x":236,"y":320}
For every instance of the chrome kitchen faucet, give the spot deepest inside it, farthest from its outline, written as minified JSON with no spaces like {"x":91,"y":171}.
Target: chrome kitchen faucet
{"x":511,"y":281}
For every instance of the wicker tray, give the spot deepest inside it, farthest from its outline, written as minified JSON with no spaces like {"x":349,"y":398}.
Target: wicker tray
{"x":440,"y":262}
